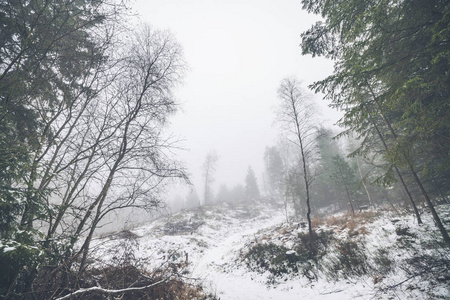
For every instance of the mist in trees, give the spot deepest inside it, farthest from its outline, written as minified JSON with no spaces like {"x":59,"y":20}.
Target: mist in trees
{"x":86,"y":101}
{"x":251,"y":185}
{"x":296,"y":114}
{"x":390,"y":85}
{"x":209,"y":169}
{"x":83,"y":112}
{"x":274,"y":172}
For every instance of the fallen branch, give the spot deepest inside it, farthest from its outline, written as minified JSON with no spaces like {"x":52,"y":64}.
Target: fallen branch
{"x":332,"y":292}
{"x":110,"y":292}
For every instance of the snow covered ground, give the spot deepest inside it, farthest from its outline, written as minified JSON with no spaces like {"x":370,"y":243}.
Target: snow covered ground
{"x":211,"y":241}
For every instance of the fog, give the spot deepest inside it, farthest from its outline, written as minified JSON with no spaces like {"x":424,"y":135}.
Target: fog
{"x":172,"y":149}
{"x":237,"y":52}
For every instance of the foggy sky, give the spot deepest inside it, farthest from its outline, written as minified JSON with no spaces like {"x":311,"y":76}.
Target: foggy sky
{"x":237,"y":52}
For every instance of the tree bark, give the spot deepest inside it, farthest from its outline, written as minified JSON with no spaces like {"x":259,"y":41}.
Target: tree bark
{"x":436,"y":218}
{"x":413,"y":204}
{"x":364,"y":184}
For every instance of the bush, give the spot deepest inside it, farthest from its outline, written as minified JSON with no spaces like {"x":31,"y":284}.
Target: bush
{"x":350,"y":260}
{"x":123,"y":271}
{"x":311,"y":251}
{"x":383,"y":263}
{"x":278,"y":260}
{"x":271,"y":257}
{"x":404,"y":231}
{"x":314,"y":247}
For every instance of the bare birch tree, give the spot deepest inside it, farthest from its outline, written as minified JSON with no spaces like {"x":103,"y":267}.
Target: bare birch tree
{"x":108,"y":150}
{"x":134,"y":165}
{"x":296,"y":115}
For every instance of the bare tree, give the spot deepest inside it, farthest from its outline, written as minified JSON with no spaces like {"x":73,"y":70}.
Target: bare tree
{"x":296,"y":113}
{"x":96,"y":100}
{"x":135,"y":164}
{"x":108,"y":150}
{"x":209,"y":168}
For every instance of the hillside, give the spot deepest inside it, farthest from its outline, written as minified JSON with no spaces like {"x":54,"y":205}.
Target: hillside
{"x":250,"y":252}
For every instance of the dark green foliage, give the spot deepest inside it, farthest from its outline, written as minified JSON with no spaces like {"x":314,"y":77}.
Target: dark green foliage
{"x":399,"y":76}
{"x":383,"y":263}
{"x":350,"y":259}
{"x":345,"y":180}
{"x":303,"y":259}
{"x":325,"y":191}
{"x":9,"y":209}
{"x":17,"y":261}
{"x":46,"y":52}
{"x":404,"y":231}
{"x":391,"y":80}
{"x":80,"y":102}
{"x":271,"y":257}
{"x":314,"y":247}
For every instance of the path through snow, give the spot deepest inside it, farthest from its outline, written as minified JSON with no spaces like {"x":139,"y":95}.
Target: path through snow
{"x":219,"y":273}
{"x":213,"y":250}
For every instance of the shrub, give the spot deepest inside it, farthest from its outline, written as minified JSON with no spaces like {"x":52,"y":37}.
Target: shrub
{"x":383,"y":263}
{"x":404,"y":231}
{"x":303,"y":258}
{"x":350,"y":260}
{"x":123,"y":271}
{"x":271,"y":257}
{"x":314,"y":247}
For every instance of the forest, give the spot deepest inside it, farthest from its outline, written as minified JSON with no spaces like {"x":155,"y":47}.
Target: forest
{"x":86,"y":99}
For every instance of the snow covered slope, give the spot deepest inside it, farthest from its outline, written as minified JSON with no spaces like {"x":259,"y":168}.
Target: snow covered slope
{"x":211,"y":243}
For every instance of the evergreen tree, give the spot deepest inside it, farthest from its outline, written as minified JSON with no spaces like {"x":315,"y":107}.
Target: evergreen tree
{"x":251,"y":185}
{"x":391,"y":79}
{"x":345,"y":180}
{"x":48,"y":59}
{"x":209,"y":169}
{"x":81,"y":131}
{"x":325,"y":191}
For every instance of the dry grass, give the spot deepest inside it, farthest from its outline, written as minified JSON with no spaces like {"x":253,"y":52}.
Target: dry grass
{"x":337,"y":221}
{"x":316,"y":222}
{"x":284,"y":230}
{"x":354,"y":224}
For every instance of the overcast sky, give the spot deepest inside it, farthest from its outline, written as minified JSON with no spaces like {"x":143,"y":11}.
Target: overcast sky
{"x":238,"y":52}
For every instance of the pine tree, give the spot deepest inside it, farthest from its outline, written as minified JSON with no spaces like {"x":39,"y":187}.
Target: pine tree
{"x":345,"y":180}
{"x":274,"y":169}
{"x":391,"y":78}
{"x":251,"y":185}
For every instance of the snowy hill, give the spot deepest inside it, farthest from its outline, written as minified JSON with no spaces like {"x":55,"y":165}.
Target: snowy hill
{"x":250,"y":252}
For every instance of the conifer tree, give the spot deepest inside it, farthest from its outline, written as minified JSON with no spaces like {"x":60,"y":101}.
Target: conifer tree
{"x":251,"y":185}
{"x":391,"y":79}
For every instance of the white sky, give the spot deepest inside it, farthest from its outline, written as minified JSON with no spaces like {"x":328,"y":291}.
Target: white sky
{"x":238,"y":52}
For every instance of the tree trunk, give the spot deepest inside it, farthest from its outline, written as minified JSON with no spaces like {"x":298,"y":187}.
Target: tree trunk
{"x":413,"y":204}
{"x":436,"y":218}
{"x":364,"y":184}
{"x":390,"y":202}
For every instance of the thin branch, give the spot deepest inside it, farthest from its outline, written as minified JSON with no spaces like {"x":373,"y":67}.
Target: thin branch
{"x":110,"y":292}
